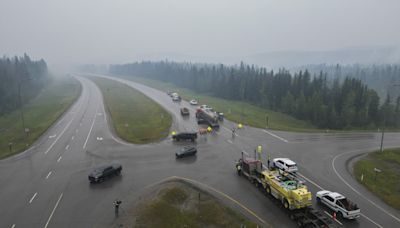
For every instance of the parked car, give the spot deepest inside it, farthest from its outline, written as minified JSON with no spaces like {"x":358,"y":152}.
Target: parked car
{"x":186,"y":151}
{"x":285,"y":164}
{"x":185,"y":111}
{"x":185,"y":136}
{"x":338,"y":203}
{"x":104,"y":172}
{"x":193,"y":102}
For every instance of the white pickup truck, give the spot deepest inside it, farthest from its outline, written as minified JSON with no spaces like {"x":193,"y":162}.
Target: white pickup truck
{"x":338,"y":203}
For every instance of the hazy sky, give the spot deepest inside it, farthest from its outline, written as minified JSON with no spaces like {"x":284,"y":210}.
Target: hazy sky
{"x":114,"y":31}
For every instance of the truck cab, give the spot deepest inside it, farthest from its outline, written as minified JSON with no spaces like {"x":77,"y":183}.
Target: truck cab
{"x":338,"y":203}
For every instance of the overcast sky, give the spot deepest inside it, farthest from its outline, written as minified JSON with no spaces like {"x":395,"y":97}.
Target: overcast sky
{"x":115,"y":31}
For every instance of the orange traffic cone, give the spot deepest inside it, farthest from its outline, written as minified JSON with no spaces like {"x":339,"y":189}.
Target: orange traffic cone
{"x":334,"y":216}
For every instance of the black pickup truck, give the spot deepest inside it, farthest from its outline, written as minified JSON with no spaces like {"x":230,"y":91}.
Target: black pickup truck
{"x":103,"y":172}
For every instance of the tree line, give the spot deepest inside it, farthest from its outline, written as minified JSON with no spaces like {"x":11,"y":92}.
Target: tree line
{"x":333,"y":104}
{"x":21,"y":80}
{"x":383,"y":78}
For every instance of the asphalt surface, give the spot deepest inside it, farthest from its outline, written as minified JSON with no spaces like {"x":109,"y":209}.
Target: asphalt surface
{"x":47,"y":185}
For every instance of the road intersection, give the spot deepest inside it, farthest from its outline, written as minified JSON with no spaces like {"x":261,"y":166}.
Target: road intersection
{"x":47,"y":185}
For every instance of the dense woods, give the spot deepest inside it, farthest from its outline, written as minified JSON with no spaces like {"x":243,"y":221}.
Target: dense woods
{"x":333,"y":104}
{"x":384,"y":78}
{"x":21,"y":80}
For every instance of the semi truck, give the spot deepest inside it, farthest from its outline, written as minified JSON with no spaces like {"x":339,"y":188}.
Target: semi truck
{"x":206,"y":115}
{"x":286,"y":189}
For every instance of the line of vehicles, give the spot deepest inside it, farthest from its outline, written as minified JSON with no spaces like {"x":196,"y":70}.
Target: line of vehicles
{"x":281,"y":183}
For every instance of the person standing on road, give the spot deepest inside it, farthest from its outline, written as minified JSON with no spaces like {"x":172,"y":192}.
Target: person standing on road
{"x":268,"y":161}
{"x":116,"y":206}
{"x":233,"y":132}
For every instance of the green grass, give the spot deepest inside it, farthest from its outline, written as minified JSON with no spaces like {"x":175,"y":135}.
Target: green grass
{"x":135,"y":117}
{"x":39,"y":115}
{"x":177,"y":207}
{"x":240,"y":112}
{"x":386,"y":184}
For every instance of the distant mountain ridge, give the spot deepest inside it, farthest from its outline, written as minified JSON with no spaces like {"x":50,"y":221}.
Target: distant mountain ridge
{"x":293,"y":59}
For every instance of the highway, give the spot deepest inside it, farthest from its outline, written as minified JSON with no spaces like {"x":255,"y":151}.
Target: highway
{"x":47,"y":185}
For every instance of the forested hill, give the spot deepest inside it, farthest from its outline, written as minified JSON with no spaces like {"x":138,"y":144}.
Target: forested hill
{"x":383,"y":78}
{"x":20,"y":76}
{"x":327,"y":104}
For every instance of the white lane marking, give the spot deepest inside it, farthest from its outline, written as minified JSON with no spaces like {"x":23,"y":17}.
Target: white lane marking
{"x":48,"y":175}
{"x":278,"y":137}
{"x":54,"y":209}
{"x":333,"y":218}
{"x":59,"y":159}
{"x":52,"y":136}
{"x":91,"y":127}
{"x":371,"y":220}
{"x":352,"y":188}
{"x":13,"y":226}
{"x":67,"y":147}
{"x":72,"y":138}
{"x":229,"y":130}
{"x":312,"y":182}
{"x":229,"y":141}
{"x":51,"y":146}
{"x":33,"y":197}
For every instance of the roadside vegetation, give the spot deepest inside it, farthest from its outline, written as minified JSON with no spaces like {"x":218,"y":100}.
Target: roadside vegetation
{"x":135,"y":117}
{"x":39,"y":114}
{"x":340,"y":104}
{"x":240,"y":112}
{"x":180,"y":206}
{"x":385,"y":184}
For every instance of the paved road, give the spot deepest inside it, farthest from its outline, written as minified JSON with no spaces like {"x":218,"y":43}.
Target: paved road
{"x":47,"y":186}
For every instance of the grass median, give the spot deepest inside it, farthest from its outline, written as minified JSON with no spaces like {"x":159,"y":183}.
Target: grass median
{"x":39,"y":115}
{"x":240,"y":112}
{"x":385,"y":184}
{"x":180,"y":205}
{"x":135,"y":117}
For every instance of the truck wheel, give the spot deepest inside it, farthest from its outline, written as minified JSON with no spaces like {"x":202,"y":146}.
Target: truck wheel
{"x":268,"y":190}
{"x":285,"y":204}
{"x":256,"y":183}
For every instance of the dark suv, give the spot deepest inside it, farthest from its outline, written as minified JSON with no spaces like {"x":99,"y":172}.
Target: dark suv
{"x":103,"y":172}
{"x":186,"y":151}
{"x":185,"y":136}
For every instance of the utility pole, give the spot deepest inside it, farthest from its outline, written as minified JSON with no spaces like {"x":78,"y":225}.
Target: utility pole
{"x":20,"y":106}
{"x":383,"y":134}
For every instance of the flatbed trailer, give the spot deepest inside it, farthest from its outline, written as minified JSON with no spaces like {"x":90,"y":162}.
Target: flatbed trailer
{"x":301,"y":212}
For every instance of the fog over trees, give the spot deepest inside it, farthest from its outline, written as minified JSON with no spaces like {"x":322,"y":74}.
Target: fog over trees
{"x":21,"y":80}
{"x":327,"y":103}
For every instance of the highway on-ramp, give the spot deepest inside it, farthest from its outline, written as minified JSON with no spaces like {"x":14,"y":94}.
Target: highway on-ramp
{"x":47,"y":185}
